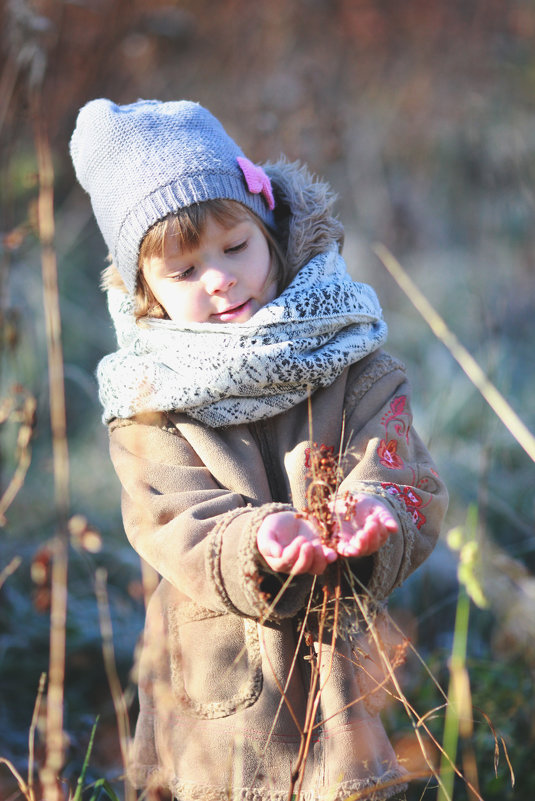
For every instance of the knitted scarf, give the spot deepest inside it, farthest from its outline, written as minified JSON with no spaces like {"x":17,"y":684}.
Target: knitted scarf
{"x":225,"y":374}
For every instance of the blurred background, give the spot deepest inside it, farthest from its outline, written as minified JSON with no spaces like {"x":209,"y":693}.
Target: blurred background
{"x":421,"y":114}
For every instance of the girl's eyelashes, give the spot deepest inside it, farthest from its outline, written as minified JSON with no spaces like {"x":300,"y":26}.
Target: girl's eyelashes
{"x":237,"y":248}
{"x":229,"y":251}
{"x":184,"y":274}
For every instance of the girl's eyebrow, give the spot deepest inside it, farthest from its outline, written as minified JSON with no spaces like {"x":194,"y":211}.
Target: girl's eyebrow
{"x":234,"y":230}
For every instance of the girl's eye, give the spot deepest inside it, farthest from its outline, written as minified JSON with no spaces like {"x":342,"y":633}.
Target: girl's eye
{"x":237,"y":248}
{"x":185,"y":274}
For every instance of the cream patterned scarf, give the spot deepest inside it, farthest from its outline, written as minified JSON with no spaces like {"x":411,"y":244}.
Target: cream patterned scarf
{"x":225,"y":374}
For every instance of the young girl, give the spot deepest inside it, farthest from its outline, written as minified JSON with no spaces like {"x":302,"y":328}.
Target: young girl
{"x":242,"y":342}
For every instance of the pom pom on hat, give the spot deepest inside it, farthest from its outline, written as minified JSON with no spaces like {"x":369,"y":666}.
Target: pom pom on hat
{"x":143,"y":161}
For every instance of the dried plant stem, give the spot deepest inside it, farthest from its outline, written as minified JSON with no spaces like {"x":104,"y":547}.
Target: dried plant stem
{"x":10,"y":569}
{"x":494,"y":398}
{"x":390,"y":674}
{"x":400,"y":694}
{"x":317,"y":685}
{"x":416,"y":720}
{"x":119,"y":703}
{"x":58,"y":602}
{"x":23,"y":787}
{"x":24,"y":455}
{"x":31,"y":736}
{"x":283,"y":690}
{"x":7,"y":85}
{"x":15,"y":484}
{"x":310,"y":714}
{"x":27,"y":788}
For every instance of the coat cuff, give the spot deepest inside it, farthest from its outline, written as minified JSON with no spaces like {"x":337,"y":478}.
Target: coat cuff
{"x":243,"y":582}
{"x":391,"y":564}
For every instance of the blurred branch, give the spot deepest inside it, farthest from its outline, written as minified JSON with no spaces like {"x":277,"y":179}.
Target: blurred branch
{"x":58,"y":610}
{"x":10,"y":569}
{"x":466,"y":361}
{"x":31,"y":735}
{"x":27,"y":788}
{"x":22,"y":412}
{"x":8,"y":80}
{"x":23,"y":787}
{"x":119,"y":703}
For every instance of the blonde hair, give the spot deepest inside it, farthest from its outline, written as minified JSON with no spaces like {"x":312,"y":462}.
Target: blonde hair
{"x":187,"y":226}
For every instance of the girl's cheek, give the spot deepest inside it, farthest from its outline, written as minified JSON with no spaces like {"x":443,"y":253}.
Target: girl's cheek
{"x":185,"y":310}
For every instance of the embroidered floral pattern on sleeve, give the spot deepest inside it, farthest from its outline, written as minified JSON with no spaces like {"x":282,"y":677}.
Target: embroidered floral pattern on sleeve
{"x":397,"y":420}
{"x":388,"y":456}
{"x":410,"y":498}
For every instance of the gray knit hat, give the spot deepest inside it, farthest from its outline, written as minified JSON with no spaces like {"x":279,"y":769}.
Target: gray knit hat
{"x":146,"y":160}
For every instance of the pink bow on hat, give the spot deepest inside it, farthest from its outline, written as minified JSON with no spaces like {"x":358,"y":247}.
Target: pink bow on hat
{"x":257,"y":181}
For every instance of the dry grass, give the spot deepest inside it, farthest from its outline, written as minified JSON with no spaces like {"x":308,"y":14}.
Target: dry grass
{"x":376,"y":106}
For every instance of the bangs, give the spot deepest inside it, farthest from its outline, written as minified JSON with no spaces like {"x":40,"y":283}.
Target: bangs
{"x":187,"y":226}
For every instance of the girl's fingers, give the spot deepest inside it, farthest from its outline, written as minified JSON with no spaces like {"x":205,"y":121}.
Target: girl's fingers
{"x":330,"y":554}
{"x":304,"y":559}
{"x":351,"y":548}
{"x":391,"y":524}
{"x":292,"y":545}
{"x":366,"y":540}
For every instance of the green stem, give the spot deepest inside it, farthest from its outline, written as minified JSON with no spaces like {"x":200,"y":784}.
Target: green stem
{"x":81,"y":778}
{"x":452,"y":722}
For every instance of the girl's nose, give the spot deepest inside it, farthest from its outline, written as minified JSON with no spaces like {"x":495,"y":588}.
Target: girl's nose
{"x":217,"y":279}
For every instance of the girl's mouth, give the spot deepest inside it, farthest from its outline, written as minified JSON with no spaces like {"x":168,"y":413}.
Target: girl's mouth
{"x":230,"y":315}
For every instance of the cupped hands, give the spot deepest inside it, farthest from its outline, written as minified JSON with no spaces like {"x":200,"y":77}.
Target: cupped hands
{"x":291,"y":543}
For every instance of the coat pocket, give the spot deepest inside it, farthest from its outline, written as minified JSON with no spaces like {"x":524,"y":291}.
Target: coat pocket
{"x":216,"y":665}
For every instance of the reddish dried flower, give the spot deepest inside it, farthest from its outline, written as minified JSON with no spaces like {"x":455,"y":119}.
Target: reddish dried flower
{"x":323,"y":472}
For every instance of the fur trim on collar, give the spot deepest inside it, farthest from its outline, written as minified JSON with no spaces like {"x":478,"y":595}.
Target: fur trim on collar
{"x":303,"y":214}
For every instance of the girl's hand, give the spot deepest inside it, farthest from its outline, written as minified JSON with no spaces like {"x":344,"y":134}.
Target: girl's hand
{"x":370,"y":526}
{"x":291,"y":544}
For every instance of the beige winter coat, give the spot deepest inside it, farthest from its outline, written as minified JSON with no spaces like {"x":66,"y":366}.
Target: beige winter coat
{"x":212,"y":723}
{"x":224,"y":679}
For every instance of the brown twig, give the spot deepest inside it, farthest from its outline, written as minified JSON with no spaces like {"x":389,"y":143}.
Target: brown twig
{"x":313,"y":700}
{"x":31,"y":736}
{"x":23,"y":413}
{"x":119,"y":703}
{"x":58,"y":601}
{"x":10,"y":569}
{"x":494,"y":398}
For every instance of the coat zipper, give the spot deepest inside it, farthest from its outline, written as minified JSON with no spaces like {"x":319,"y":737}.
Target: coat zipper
{"x":277,"y":485}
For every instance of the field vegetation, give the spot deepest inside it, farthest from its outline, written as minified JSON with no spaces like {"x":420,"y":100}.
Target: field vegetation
{"x":422,"y":116}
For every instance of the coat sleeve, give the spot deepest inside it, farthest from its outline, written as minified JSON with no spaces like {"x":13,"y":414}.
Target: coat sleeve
{"x":387,"y":458}
{"x":199,"y":536}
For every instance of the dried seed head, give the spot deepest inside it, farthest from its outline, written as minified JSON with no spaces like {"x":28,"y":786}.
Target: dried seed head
{"x":324,"y":475}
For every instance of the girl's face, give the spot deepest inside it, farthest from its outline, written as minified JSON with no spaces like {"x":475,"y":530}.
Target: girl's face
{"x":226,"y":278}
